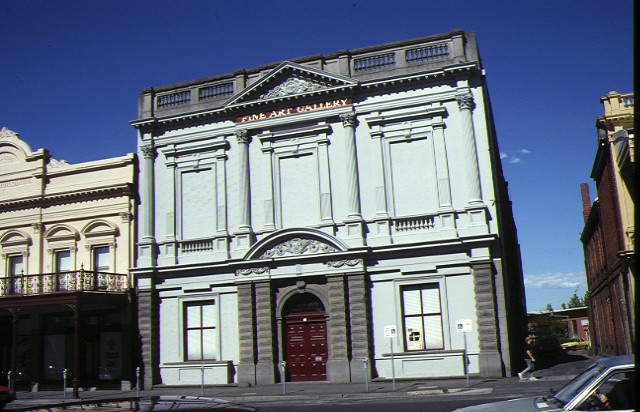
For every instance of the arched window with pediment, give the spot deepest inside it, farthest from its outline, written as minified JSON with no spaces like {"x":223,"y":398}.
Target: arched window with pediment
{"x":15,"y":250}
{"x":100,"y":240}
{"x":62,"y":245}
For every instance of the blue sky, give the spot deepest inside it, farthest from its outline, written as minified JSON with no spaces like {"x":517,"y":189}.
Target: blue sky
{"x":71,"y":72}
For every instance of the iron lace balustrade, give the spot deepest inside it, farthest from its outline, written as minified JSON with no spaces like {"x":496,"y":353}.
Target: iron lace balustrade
{"x":69,"y":281}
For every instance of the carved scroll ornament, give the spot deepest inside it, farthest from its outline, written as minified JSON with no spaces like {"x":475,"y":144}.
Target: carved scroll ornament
{"x":298,"y":246}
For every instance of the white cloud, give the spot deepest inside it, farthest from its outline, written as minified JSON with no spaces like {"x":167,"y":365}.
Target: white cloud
{"x":514,"y":160}
{"x":555,"y":280}
{"x":503,"y":155}
{"x":525,"y":151}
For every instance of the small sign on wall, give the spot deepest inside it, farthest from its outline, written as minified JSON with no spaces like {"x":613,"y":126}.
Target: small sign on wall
{"x":390,"y":331}
{"x":463,"y":325}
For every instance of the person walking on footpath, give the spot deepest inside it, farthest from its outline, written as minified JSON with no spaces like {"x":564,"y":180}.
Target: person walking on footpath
{"x":529,"y":360}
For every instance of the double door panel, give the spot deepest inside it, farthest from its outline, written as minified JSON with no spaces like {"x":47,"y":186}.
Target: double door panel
{"x":306,"y":348}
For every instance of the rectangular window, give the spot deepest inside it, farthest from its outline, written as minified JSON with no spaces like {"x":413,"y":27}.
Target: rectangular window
{"x":101,"y":259}
{"x":200,"y":331}
{"x":422,"y":317}
{"x":16,"y":265}
{"x":66,"y":280}
{"x":16,"y":268}
{"x":63,"y":261}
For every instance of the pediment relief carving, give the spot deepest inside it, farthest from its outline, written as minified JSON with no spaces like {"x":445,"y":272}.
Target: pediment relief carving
{"x":12,"y":148}
{"x":294,"y":85}
{"x":298,"y":246}
{"x":291,"y":79}
{"x":7,"y":158}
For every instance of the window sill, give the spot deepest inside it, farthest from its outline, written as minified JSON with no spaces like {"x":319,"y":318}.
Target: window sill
{"x":455,"y":352}
{"x":195,"y":364}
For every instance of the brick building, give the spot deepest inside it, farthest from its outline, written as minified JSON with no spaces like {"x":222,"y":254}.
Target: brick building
{"x":608,"y":234}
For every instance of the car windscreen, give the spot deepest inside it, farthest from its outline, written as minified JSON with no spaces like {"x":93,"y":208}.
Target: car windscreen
{"x":571,"y":389}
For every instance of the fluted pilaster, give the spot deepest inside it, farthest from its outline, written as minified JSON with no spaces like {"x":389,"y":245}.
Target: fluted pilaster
{"x":466,"y":105}
{"x":349,"y":123}
{"x":243,"y":140}
{"x":148,"y":156}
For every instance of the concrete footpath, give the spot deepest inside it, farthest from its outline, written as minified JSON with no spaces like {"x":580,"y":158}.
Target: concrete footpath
{"x":552,"y":377}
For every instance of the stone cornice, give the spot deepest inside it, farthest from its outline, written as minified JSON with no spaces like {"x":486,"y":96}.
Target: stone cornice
{"x":352,"y":90}
{"x":74,"y":196}
{"x":64,"y":169}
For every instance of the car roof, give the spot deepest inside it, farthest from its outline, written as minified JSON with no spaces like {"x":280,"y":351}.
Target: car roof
{"x":617,"y":361}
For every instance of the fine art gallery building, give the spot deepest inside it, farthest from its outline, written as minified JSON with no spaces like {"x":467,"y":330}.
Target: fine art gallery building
{"x":302,"y":217}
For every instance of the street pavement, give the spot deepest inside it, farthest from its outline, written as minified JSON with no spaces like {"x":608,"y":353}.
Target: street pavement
{"x":549,"y":377}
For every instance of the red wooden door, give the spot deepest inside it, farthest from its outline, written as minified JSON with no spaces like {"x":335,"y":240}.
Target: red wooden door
{"x":306,"y":346}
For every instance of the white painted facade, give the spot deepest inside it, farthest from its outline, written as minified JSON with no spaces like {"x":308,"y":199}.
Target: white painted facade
{"x":366,"y":180}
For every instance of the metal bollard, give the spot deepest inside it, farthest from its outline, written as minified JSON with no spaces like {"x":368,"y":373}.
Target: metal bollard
{"x":202,"y":380}
{"x":64,"y":384}
{"x":365,"y":362}
{"x":138,"y":381}
{"x":283,"y":374}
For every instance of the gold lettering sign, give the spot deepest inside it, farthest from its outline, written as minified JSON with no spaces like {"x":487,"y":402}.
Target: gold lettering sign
{"x":293,"y":110}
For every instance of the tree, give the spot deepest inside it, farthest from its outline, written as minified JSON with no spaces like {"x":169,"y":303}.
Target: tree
{"x":575,"y":302}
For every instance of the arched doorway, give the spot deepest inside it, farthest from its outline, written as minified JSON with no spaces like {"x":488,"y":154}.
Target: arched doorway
{"x":305,"y":326}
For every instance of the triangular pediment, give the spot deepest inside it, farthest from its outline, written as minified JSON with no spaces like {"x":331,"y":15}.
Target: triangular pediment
{"x":291,"y":80}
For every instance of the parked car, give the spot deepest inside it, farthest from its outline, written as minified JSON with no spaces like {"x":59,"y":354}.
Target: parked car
{"x":6,"y":396}
{"x":153,"y":403}
{"x":575,"y":344}
{"x":608,"y":384}
{"x":546,"y":345}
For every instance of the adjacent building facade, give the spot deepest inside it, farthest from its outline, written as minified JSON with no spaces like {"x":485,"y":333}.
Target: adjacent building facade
{"x":323,"y":217}
{"x":609,"y":234}
{"x":67,"y":240}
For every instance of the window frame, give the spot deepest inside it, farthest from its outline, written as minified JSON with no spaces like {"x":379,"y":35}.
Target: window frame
{"x":56,"y":260}
{"x":186,"y":328}
{"x":422,"y":315}
{"x":12,"y":264}
{"x":94,"y":258}
{"x":14,"y":277}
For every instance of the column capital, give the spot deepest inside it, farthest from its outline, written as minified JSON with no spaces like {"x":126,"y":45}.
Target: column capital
{"x":465,"y":101}
{"x":148,"y":151}
{"x":242,"y":136}
{"x":348,"y":119}
{"x":126,"y":217}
